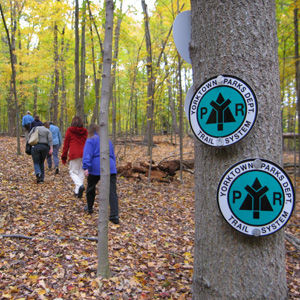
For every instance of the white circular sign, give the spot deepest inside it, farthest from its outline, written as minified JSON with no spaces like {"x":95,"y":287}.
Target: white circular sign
{"x":182,"y":34}
{"x":223,"y":110}
{"x":256,"y":197}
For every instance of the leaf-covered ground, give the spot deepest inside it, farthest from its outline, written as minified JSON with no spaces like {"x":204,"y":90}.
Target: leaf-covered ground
{"x":48,"y":248}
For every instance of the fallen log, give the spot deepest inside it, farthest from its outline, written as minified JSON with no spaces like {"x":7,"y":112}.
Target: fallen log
{"x":158,"y":172}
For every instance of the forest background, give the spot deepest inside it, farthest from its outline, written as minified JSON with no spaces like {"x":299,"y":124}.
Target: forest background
{"x":57,"y":49}
{"x":58,"y":71}
{"x":57,"y":53}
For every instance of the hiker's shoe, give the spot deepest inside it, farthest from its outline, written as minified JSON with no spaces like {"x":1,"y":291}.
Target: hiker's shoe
{"x":90,"y":211}
{"x":114,"y":220}
{"x":80,"y":191}
{"x":38,"y":177}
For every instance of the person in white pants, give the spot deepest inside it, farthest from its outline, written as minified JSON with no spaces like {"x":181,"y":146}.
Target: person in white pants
{"x":77,"y":175}
{"x":74,"y":142}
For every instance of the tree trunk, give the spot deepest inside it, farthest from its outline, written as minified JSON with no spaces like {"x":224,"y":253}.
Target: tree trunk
{"x":150,"y":85}
{"x":63,"y":109}
{"x":175,"y":127}
{"x":97,"y":79}
{"x":296,"y":35}
{"x":238,"y":38}
{"x":56,"y":76}
{"x":97,"y":90}
{"x":76,"y":62}
{"x":13,"y":61}
{"x":82,"y":68}
{"x":113,"y":78}
{"x":103,"y":260}
{"x":35,"y":95}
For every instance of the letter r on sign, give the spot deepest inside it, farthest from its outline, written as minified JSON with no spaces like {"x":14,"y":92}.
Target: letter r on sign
{"x":277,"y":197}
{"x":239,"y":108}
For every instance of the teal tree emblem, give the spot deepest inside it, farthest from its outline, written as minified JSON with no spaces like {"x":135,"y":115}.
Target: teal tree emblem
{"x":256,"y":197}
{"x":222,"y":111}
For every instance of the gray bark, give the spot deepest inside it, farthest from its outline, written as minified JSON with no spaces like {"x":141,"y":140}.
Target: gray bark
{"x":35,"y":95}
{"x":296,"y":36}
{"x":82,"y":65}
{"x":56,"y":75}
{"x":13,"y":61}
{"x":113,"y":77}
{"x":76,"y":60}
{"x":237,"y":38}
{"x":150,"y":79}
{"x":103,"y":260}
{"x":63,"y":112}
{"x":97,"y":79}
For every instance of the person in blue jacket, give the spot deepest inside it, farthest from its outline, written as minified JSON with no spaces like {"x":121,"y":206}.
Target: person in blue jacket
{"x":91,"y":167}
{"x":56,"y":136}
{"x":26,"y":120}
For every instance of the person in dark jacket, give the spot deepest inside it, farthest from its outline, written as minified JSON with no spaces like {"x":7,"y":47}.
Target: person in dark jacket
{"x":73,"y":146}
{"x":36,"y":122}
{"x":91,"y":166}
{"x":41,"y":150}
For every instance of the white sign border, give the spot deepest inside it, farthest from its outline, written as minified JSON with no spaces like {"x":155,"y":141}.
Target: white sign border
{"x":267,"y":167}
{"x":251,"y":110}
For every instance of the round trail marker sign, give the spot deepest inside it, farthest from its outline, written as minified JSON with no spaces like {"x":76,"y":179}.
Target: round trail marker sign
{"x":222,"y":111}
{"x":256,"y":197}
{"x":182,"y":34}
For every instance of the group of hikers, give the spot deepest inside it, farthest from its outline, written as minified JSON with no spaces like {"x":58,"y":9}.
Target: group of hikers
{"x":81,"y":149}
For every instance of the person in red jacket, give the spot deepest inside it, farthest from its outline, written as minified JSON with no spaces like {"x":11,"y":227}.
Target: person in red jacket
{"x":75,"y":138}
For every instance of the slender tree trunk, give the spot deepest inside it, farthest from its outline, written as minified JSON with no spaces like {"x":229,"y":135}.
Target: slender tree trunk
{"x":63,"y":111}
{"x":13,"y":61}
{"x":51,"y":98}
{"x":150,"y":85}
{"x":76,"y":62}
{"x":180,"y":116}
{"x":180,"y":108}
{"x":114,"y":71}
{"x":238,"y":38}
{"x":136,"y":128}
{"x":97,"y":88}
{"x":113,"y":78}
{"x":103,"y":260}
{"x":175,"y":127}
{"x":296,"y":35}
{"x":82,"y":68}
{"x":56,"y":75}
{"x":97,"y":79}
{"x":21,"y":105}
